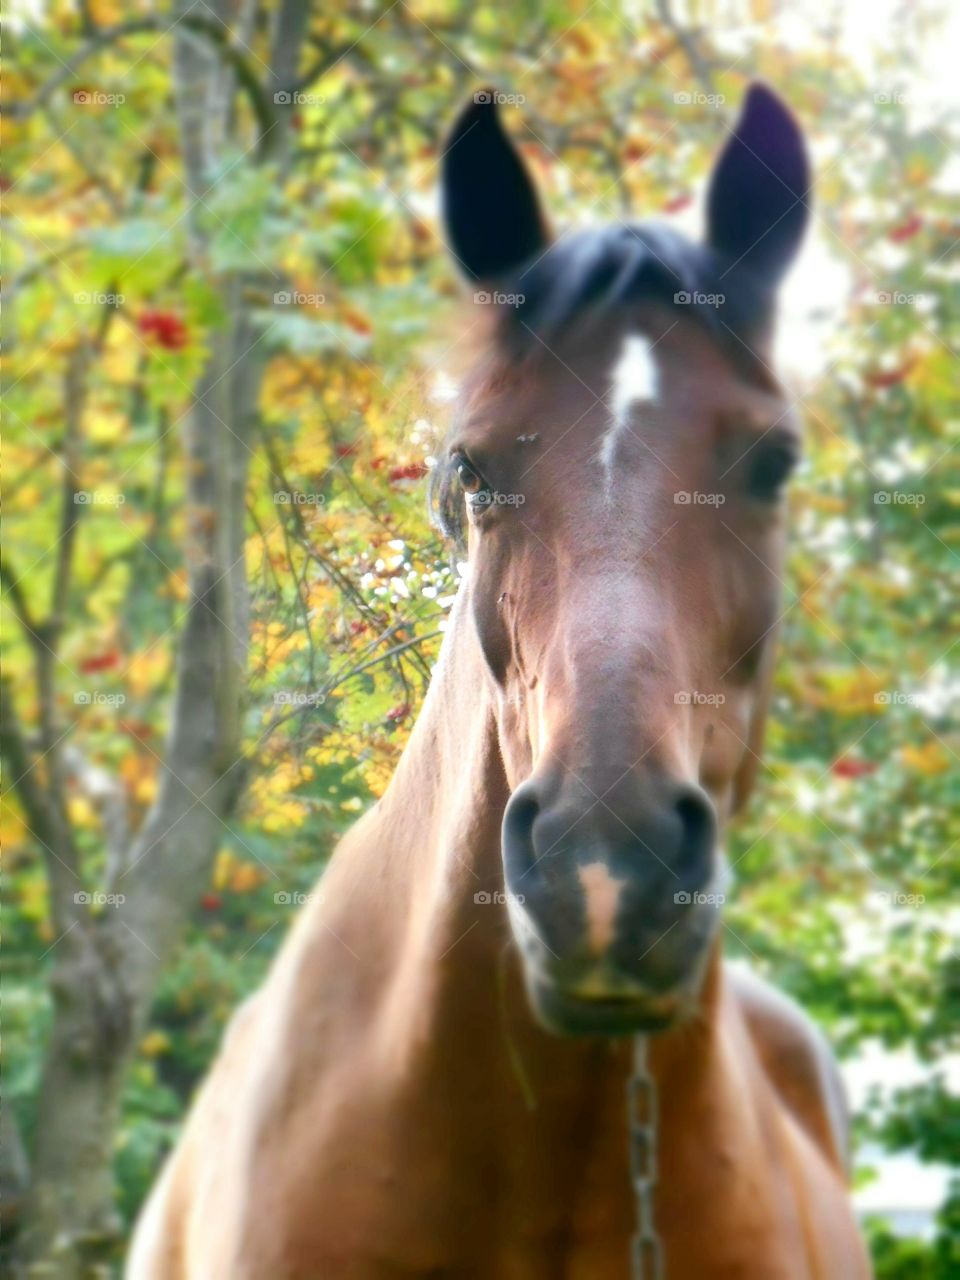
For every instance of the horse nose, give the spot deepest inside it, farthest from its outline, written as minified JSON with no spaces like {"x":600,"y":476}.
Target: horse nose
{"x":674,"y":829}
{"x":607,"y":875}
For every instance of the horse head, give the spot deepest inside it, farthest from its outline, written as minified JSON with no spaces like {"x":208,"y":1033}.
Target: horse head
{"x":616,"y":473}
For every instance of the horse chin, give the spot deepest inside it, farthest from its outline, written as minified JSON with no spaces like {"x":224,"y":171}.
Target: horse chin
{"x":565,"y":1013}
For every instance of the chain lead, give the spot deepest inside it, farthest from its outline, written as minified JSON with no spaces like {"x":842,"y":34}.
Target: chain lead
{"x":647,"y":1255}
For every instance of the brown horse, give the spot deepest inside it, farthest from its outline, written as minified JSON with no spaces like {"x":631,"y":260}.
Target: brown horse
{"x":433,"y":1080}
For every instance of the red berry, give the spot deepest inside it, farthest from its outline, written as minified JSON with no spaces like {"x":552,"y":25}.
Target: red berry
{"x":411,"y":471}
{"x":906,"y":229}
{"x":100,"y":662}
{"x":677,"y":203}
{"x":847,"y":768}
{"x":166,"y":327}
{"x":883,"y":378}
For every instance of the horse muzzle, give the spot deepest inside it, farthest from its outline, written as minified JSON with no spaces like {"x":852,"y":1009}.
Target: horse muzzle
{"x":613,"y":909}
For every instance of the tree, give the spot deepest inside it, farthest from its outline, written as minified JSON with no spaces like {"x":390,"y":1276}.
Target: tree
{"x":106,"y":966}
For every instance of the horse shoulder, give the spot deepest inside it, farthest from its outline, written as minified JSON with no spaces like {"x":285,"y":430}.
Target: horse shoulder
{"x":798,"y":1061}
{"x":160,"y":1249}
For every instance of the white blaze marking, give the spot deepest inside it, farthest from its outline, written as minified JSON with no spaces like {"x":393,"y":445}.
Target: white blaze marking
{"x":634,"y":379}
{"x":601,"y":898}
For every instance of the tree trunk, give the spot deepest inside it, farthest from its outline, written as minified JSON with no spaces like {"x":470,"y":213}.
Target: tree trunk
{"x":106,"y":966}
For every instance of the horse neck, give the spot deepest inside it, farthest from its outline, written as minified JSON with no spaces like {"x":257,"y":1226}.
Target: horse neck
{"x":442,"y":812}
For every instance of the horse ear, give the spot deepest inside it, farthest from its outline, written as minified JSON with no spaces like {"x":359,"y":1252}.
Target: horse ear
{"x":491,"y":212}
{"x":757,"y":205}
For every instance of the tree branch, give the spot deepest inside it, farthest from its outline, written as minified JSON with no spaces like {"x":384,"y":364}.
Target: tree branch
{"x":212,"y":31}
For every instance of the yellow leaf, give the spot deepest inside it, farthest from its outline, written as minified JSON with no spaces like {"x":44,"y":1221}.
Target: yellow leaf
{"x":81,"y":812}
{"x":930,"y":759}
{"x":154,"y":1043}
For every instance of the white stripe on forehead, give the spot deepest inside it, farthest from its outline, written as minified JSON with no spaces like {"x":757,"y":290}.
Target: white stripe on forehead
{"x":634,"y":379}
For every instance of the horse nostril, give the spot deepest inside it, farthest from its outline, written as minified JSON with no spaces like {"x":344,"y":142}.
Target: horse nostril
{"x":518,"y":820}
{"x":697,"y":828}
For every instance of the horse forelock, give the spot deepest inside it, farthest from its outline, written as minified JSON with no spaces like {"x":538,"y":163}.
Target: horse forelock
{"x":586,"y":274}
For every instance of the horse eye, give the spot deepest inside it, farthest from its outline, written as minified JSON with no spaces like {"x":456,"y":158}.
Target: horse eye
{"x":469,"y":479}
{"x":770,"y":470}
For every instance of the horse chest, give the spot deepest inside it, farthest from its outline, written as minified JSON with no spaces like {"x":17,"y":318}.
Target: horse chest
{"x":458,"y":1181}
{"x":464,"y":1181}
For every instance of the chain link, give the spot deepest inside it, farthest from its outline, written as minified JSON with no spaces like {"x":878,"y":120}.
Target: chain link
{"x":647,"y":1255}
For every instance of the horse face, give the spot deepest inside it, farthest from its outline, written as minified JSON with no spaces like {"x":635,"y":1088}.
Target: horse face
{"x":621,"y":469}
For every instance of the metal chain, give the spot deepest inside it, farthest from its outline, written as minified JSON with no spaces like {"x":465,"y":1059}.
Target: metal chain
{"x":647,"y":1256}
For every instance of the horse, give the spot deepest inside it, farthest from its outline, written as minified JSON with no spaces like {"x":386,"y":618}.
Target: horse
{"x":433,"y":1080}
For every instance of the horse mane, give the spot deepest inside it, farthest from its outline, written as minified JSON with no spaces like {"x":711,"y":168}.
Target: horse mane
{"x":584,"y":276}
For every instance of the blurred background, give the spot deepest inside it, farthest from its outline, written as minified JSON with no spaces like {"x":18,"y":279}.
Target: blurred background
{"x":232,"y":339}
